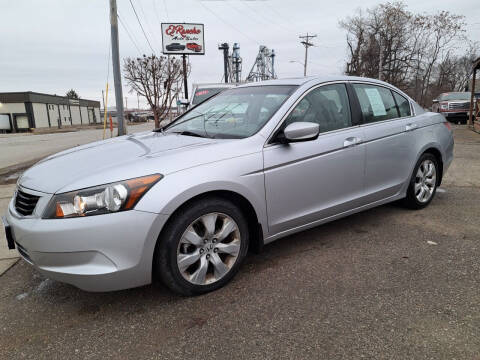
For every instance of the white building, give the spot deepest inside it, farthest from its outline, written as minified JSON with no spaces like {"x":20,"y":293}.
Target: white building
{"x":21,"y":111}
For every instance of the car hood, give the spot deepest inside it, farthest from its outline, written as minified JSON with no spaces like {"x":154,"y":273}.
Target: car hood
{"x":117,"y":159}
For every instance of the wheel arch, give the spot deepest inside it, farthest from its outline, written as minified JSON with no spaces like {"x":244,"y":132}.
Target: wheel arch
{"x":438,"y":155}
{"x":254,"y":224}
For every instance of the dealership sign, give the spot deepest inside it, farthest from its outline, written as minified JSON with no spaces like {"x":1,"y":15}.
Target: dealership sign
{"x":183,"y":39}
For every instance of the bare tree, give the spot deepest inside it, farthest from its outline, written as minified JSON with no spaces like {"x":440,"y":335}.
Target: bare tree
{"x":72,"y":94}
{"x":419,"y":52}
{"x":154,"y":78}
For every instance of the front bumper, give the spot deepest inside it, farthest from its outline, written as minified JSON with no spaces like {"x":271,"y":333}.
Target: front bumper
{"x":94,"y":253}
{"x":455,"y":114}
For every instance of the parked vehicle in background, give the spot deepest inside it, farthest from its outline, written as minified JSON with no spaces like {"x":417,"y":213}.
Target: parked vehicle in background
{"x":175,"y":47}
{"x":202,"y":92}
{"x":194,"y":47}
{"x":455,"y":106}
{"x":251,"y":165}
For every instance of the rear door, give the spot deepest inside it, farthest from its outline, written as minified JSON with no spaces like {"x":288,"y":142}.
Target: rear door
{"x":387,"y":152}
{"x":312,"y":180}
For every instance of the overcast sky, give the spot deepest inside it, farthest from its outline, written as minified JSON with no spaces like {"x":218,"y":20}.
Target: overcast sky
{"x":53,"y":45}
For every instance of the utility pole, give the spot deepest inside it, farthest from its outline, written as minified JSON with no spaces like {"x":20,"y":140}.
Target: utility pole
{"x":126,"y":103}
{"x":138,"y":103}
{"x":380,"y":58}
{"x":117,"y":77}
{"x":307,"y":44}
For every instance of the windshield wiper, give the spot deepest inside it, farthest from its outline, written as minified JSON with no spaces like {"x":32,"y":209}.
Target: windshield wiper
{"x":188,"y":133}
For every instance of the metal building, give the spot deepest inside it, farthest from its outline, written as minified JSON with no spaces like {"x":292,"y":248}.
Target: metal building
{"x":22,"y":111}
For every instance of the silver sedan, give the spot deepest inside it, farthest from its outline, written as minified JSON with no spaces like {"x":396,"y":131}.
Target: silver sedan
{"x":253,"y":164}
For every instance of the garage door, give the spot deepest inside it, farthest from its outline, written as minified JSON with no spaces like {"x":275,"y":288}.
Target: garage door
{"x":5,"y":122}
{"x":22,"y":122}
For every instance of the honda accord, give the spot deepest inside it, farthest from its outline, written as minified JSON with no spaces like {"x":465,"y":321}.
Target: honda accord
{"x":248,"y":166}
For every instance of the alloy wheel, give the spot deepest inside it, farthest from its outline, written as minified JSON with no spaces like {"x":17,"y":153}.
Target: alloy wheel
{"x":208,"y":248}
{"x":425,"y":181}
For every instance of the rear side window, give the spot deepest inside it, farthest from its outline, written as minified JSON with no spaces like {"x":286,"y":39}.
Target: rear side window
{"x":376,"y":102}
{"x":327,"y":106}
{"x":403,"y":105}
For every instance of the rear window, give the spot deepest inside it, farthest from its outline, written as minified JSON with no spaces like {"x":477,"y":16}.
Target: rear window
{"x":202,"y":94}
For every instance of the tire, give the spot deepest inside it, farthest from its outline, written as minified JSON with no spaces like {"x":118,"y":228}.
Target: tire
{"x":186,"y":247}
{"x":414,"y":200}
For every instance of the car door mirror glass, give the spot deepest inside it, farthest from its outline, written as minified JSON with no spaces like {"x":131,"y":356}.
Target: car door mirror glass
{"x":301,"y":131}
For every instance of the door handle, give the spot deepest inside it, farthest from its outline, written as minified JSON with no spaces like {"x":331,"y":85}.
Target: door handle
{"x":410,"y":127}
{"x":351,"y":141}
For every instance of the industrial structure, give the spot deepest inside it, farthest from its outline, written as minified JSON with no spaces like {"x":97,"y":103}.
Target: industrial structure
{"x":232,"y":63}
{"x":264,"y":66}
{"x":22,"y":111}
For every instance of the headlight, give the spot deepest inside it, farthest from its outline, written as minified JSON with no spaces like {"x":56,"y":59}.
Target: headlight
{"x":444,"y":106}
{"x":103,"y":199}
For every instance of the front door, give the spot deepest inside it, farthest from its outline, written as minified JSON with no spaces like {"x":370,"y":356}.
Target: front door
{"x":312,"y":180}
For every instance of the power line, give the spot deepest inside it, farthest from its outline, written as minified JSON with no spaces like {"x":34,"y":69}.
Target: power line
{"x":147,"y":25}
{"x":141,"y":26}
{"x":227,"y":23}
{"x":128,"y":33}
{"x":156,"y":13}
{"x":260,"y":14}
{"x":166,"y":9}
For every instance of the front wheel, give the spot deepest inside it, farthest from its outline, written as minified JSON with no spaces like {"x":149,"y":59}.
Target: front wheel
{"x":423,"y":184}
{"x":202,"y":247}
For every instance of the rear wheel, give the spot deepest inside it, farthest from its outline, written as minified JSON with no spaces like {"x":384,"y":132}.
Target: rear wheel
{"x":423,"y":184}
{"x":202,"y":247}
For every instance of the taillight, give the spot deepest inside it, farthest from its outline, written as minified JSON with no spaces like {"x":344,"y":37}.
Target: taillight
{"x":448,"y":125}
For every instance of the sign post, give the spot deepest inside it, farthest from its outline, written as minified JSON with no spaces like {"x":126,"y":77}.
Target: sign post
{"x":185,"y":83}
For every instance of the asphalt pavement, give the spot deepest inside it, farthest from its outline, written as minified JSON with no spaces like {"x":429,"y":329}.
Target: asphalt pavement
{"x":388,"y":283}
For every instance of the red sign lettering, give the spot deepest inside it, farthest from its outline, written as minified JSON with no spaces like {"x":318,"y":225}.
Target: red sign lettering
{"x":180,"y":30}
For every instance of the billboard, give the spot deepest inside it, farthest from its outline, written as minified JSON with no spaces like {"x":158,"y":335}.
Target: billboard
{"x":180,"y":38}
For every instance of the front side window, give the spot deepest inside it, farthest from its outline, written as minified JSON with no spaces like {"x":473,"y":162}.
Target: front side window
{"x":327,"y":106}
{"x":376,"y":102}
{"x":403,"y":105}
{"x":235,"y":113}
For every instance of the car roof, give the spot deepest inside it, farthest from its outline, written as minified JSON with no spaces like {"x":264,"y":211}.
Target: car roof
{"x":313,"y":79}
{"x":214,"y":85}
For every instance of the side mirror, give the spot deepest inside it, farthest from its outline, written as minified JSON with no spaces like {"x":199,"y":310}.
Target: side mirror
{"x":301,"y":131}
{"x":435,"y":100}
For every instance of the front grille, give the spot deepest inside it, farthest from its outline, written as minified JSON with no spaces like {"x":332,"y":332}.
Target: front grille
{"x":459,"y":106}
{"x":25,"y":203}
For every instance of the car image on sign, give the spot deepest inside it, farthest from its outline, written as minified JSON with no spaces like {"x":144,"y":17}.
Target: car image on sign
{"x":194,"y":47}
{"x":175,"y":47}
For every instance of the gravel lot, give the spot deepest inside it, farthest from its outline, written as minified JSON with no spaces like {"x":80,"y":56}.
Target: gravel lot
{"x":388,"y":283}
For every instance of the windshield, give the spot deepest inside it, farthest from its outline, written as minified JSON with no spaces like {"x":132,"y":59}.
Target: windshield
{"x":235,"y":113}
{"x":202,"y":94}
{"x":455,"y":96}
